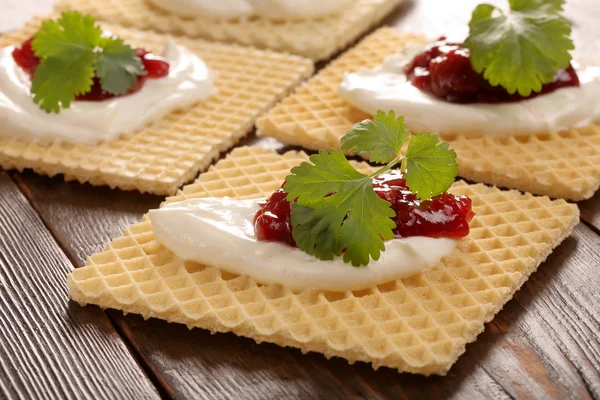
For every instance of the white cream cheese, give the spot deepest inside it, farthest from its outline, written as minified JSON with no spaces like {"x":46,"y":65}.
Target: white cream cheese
{"x":89,"y":122}
{"x":220,"y":232}
{"x":272,"y":9}
{"x":387,"y":88}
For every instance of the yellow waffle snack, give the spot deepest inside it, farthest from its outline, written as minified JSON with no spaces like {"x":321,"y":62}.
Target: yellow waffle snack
{"x":163,"y":156}
{"x":420,"y":324}
{"x":561,"y":165}
{"x":317,"y":39}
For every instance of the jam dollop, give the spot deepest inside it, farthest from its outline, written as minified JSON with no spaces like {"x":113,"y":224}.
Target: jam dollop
{"x":445,"y":215}
{"x":154,"y":67}
{"x":444,"y":71}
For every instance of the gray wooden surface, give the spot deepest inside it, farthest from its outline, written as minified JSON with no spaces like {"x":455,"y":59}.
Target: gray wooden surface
{"x":545,"y":343}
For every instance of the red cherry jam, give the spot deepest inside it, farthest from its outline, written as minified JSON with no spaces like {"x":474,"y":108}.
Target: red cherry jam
{"x":25,"y":57}
{"x":445,"y":215}
{"x":154,"y":67}
{"x":444,"y":71}
{"x":272,"y":222}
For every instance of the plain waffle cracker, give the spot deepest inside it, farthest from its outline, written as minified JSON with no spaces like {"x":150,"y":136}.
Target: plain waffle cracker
{"x":420,"y":324}
{"x":163,"y":156}
{"x":561,"y":165}
{"x":317,"y":39}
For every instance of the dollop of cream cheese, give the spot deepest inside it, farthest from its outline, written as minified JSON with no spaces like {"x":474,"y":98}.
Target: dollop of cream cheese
{"x":89,"y":122}
{"x":387,"y":88}
{"x":272,"y":9}
{"x":220,"y":232}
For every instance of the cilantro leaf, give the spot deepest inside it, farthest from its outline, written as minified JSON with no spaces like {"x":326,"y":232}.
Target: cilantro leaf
{"x":523,"y":49}
{"x":430,"y":167}
{"x":72,"y":33}
{"x":312,"y":231}
{"x":310,"y":183}
{"x":337,"y":211}
{"x":67,"y":51}
{"x":529,"y":5}
{"x":379,"y":140}
{"x":52,"y":89}
{"x":73,"y":52}
{"x":117,"y":66}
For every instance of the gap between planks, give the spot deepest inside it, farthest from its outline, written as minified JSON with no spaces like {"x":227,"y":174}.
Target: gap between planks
{"x":52,"y":348}
{"x":467,"y":377}
{"x":560,"y":367}
{"x":150,"y":373}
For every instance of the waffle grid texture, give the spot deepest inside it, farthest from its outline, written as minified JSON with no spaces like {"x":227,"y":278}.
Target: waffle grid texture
{"x":317,"y":39}
{"x":420,"y":324}
{"x":163,"y":156}
{"x":560,"y":165}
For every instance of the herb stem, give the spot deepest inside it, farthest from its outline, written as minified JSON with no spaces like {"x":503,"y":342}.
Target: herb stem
{"x":390,"y":165}
{"x":404,"y":165}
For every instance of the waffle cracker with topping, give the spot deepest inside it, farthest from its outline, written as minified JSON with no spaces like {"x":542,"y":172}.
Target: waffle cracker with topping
{"x":420,"y":324}
{"x":163,"y":156}
{"x":561,"y":165}
{"x":317,"y":39}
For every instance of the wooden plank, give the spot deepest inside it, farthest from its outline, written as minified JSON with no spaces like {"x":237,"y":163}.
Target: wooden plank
{"x":590,"y":211}
{"x":194,"y":363}
{"x":543,"y":344}
{"x":548,"y":336}
{"x":49,"y":348}
{"x":80,"y":208}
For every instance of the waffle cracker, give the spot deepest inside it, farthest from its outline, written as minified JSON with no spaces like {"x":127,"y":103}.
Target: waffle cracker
{"x":561,"y":165}
{"x":420,"y":324}
{"x":163,"y":156}
{"x":317,"y":39}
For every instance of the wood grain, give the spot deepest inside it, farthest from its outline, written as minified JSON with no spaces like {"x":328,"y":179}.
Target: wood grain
{"x":590,"y":211}
{"x":548,"y":336}
{"x":543,"y":344}
{"x":196,"y":364}
{"x":50,"y":348}
{"x":81,"y":208}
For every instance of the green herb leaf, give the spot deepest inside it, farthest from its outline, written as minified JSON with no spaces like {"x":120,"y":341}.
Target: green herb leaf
{"x":117,"y":66}
{"x":555,"y":6}
{"x":53,"y":89}
{"x":523,"y":49}
{"x":72,"y":52}
{"x":329,"y":173}
{"x":72,"y":33}
{"x":379,"y":140}
{"x":336,"y":209}
{"x":430,"y":167}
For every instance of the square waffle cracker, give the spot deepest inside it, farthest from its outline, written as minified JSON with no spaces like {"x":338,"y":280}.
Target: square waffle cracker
{"x":420,"y":324}
{"x":163,"y":156}
{"x":317,"y":39}
{"x":560,"y":165}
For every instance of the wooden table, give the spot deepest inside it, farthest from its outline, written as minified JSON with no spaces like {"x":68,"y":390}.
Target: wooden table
{"x":544,"y":344}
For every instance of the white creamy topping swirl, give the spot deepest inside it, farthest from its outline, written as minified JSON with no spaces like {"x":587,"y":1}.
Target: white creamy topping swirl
{"x":89,"y":122}
{"x":387,"y":88}
{"x":272,"y":9}
{"x":220,"y":232}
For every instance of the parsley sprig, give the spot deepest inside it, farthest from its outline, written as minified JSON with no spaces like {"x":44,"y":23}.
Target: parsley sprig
{"x":72,"y":52}
{"x":522,"y":49}
{"x":336,"y":211}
